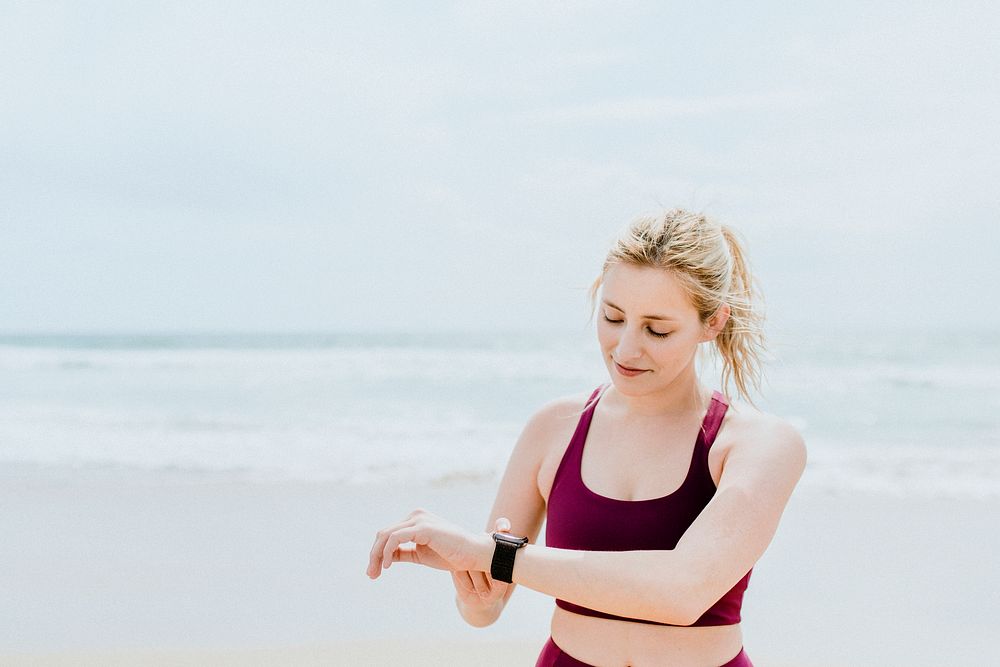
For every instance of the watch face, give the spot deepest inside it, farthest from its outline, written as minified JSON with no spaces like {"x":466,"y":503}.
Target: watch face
{"x":510,"y":539}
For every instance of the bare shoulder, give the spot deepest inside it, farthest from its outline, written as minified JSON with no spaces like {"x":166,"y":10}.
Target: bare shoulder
{"x":521,"y":496}
{"x":550,"y":429}
{"x":560,"y":412}
{"x":550,"y":424}
{"x":554,"y":422}
{"x":752,"y":436}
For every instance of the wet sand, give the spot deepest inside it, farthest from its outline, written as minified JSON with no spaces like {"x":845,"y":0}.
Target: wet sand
{"x":107,"y":569}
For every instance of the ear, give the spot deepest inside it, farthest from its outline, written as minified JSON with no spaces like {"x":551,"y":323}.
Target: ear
{"x":716,"y":323}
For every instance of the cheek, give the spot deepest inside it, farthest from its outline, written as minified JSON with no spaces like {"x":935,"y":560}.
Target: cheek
{"x":675,"y":352}
{"x":606,"y":335}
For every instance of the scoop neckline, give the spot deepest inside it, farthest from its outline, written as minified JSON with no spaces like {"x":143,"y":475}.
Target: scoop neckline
{"x":698,"y":444}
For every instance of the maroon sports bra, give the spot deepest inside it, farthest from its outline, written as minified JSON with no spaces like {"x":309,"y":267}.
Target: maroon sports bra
{"x":578,"y":518}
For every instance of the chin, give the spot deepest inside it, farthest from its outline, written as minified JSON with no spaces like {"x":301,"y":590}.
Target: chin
{"x":634,"y":386}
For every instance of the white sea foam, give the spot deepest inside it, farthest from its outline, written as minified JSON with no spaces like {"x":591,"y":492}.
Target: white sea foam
{"x":437,"y":411}
{"x":904,"y":470}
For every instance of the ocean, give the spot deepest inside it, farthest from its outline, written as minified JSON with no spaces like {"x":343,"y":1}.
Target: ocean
{"x":901,"y":413}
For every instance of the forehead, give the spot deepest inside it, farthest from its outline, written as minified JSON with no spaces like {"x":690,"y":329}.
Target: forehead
{"x":645,"y":290}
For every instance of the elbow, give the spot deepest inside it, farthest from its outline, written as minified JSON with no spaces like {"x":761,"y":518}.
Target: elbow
{"x":478,"y":618}
{"x":680,"y":615}
{"x":685,"y":607}
{"x":479,"y":622}
{"x":688,"y":615}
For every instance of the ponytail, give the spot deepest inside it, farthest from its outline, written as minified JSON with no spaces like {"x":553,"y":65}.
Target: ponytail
{"x":741,"y":342}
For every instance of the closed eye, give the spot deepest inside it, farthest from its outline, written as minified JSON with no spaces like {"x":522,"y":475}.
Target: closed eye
{"x":654,"y":333}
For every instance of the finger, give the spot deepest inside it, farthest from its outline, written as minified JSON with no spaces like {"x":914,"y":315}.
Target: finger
{"x":481,"y":584}
{"x":406,"y":554}
{"x":464,"y":581}
{"x":381,"y":537}
{"x":503,"y":525}
{"x":401,"y":536}
{"x":378,"y":548}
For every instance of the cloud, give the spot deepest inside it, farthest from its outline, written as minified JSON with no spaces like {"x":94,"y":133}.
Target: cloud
{"x":657,"y":108}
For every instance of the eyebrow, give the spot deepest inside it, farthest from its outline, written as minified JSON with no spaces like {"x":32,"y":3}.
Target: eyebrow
{"x":647,"y":317}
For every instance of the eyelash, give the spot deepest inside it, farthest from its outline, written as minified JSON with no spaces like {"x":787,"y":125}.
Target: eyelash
{"x":658,"y":335}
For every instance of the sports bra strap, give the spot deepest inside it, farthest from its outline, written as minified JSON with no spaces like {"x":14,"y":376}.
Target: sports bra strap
{"x":713,"y":420}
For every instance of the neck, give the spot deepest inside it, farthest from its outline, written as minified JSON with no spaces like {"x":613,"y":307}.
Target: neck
{"x":683,"y":396}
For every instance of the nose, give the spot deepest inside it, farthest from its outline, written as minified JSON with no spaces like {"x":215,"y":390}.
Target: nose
{"x":629,"y":347}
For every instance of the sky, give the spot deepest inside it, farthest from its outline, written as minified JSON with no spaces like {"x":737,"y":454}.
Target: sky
{"x":256,"y":166}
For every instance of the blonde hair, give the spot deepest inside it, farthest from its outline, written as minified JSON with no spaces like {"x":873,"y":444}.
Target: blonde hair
{"x":711,"y":264}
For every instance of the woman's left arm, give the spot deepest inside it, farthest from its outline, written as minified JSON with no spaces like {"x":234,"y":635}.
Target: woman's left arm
{"x":670,"y":586}
{"x":718,"y":549}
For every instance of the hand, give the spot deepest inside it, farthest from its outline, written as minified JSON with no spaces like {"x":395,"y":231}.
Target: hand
{"x":479,"y":589}
{"x":436,"y":543}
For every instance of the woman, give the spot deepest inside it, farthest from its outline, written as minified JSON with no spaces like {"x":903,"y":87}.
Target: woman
{"x":649,"y":543}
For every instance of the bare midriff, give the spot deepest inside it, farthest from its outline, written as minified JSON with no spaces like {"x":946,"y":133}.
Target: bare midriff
{"x":613,"y":643}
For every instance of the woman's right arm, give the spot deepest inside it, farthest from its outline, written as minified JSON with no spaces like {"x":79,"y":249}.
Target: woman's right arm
{"x":479,"y":598}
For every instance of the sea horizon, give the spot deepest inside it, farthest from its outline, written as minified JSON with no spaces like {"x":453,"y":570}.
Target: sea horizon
{"x":914,"y":415}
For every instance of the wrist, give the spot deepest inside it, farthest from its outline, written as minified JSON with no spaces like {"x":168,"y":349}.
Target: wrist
{"x":521,"y":554}
{"x":505,"y":555}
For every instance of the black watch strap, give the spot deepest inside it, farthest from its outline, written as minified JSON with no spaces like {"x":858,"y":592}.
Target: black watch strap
{"x":502,"y":567}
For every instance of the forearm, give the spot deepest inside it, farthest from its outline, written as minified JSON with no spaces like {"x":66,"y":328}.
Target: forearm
{"x":636,"y":584}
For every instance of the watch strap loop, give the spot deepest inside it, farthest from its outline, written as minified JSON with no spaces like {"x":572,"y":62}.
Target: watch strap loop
{"x":502,"y":566}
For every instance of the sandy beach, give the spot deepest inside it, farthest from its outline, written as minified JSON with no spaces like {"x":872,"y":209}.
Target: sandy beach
{"x":154,"y":570}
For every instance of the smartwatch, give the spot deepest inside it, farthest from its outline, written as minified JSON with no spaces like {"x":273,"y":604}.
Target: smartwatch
{"x":502,"y":567}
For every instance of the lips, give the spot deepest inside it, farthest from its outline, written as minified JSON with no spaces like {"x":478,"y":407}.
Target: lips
{"x":630,"y":369}
{"x":625,"y":370}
